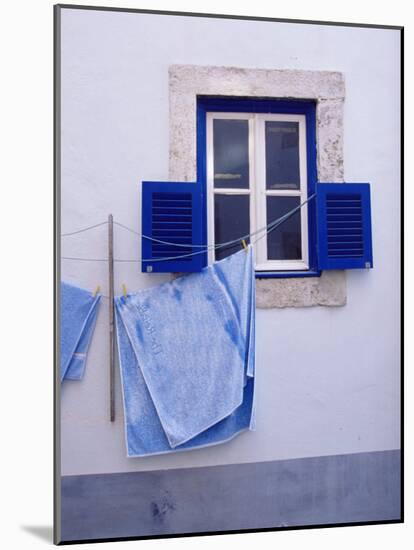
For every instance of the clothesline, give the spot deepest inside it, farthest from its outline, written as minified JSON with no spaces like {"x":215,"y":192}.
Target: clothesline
{"x":204,"y":248}
{"x":84,"y":229}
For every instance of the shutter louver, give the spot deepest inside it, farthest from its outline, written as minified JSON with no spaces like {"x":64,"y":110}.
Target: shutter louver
{"x":171,"y":215}
{"x":344,"y":226}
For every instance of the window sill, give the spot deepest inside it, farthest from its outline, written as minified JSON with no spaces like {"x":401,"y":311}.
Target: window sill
{"x":327,"y":288}
{"x":298,"y":289}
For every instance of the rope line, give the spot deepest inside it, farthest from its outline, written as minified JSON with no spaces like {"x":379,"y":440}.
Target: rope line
{"x":97,"y":259}
{"x":266,"y":229}
{"x":84,"y":229}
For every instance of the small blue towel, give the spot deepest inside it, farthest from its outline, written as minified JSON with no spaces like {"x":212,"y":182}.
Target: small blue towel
{"x":78,"y":313}
{"x":186,"y":351}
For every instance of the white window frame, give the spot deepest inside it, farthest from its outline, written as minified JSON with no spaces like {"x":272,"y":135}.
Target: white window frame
{"x":257,"y":187}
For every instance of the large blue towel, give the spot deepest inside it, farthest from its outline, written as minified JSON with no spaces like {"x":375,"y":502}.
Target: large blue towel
{"x":186,"y":351}
{"x":78,"y":313}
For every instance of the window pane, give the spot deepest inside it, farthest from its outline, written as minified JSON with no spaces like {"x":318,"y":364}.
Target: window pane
{"x":231,"y":221}
{"x":282,"y":155}
{"x":284,"y":242}
{"x":231,"y":153}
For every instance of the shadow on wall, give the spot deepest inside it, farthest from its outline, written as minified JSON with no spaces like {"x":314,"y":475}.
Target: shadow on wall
{"x":43,"y":532}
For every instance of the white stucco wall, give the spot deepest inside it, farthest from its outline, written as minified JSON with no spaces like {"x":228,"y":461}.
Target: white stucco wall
{"x":327,"y":378}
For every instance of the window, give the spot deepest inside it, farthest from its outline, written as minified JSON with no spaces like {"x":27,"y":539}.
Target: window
{"x":195,"y":90}
{"x":256,"y":173}
{"x":259,"y":165}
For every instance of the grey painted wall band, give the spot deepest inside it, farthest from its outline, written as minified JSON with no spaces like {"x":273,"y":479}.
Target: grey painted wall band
{"x":348,"y":488}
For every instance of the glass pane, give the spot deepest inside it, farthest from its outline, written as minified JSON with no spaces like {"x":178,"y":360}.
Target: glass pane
{"x":284,"y":242}
{"x":231,"y":221}
{"x":282,"y":155}
{"x":231,"y":153}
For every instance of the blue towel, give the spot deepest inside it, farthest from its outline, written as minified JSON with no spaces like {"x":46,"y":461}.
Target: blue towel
{"x":78,"y":313}
{"x":186,"y":351}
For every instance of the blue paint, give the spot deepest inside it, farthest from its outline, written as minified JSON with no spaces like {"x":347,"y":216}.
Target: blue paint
{"x":171,"y":213}
{"x":287,"y":274}
{"x":344,"y":226}
{"x":248,"y":105}
{"x":353,"y":488}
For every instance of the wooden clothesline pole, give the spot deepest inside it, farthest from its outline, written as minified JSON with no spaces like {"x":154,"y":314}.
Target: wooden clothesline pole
{"x":111,"y":318}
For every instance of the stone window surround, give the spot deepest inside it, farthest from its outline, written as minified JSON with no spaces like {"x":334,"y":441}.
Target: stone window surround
{"x":186,"y":82}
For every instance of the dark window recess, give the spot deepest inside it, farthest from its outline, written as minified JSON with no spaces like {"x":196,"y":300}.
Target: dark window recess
{"x":284,"y":242}
{"x":231,"y":221}
{"x":282,"y":155}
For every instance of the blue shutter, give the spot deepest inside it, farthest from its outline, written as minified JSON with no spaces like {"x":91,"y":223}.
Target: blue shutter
{"x":344,"y":225}
{"x":171,"y":212}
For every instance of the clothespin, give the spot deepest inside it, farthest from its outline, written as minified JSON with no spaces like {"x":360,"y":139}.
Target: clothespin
{"x":124,"y":290}
{"x":244,"y":245}
{"x":97,"y":289}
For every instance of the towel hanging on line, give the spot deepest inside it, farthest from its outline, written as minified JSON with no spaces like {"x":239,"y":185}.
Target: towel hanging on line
{"x":79,"y":310}
{"x":187,"y":355}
